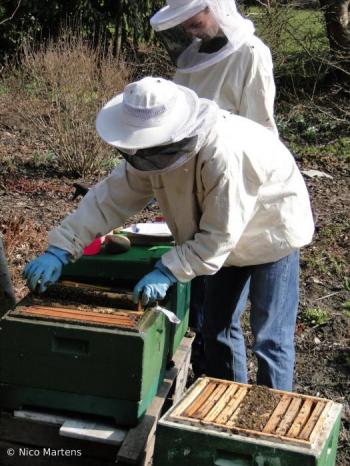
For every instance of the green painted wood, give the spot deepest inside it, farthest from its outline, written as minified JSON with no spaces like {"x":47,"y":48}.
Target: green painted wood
{"x":83,"y":369}
{"x":130,"y":265}
{"x":179,"y":302}
{"x":179,"y":444}
{"x":124,"y":412}
{"x":95,"y":361}
{"x":329,"y":452}
{"x":175,"y":446}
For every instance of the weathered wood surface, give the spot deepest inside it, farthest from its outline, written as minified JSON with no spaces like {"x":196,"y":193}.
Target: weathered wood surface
{"x":137,"y":447}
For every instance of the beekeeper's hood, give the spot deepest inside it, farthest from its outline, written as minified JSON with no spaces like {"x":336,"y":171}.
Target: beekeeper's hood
{"x":181,"y":27}
{"x":156,"y":124}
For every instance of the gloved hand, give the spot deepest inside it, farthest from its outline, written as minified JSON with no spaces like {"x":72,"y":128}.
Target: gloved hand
{"x":46,"y":269}
{"x":154,"y":285}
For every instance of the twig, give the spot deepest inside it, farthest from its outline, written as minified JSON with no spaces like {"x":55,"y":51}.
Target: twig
{"x":13,"y":14}
{"x":329,"y":295}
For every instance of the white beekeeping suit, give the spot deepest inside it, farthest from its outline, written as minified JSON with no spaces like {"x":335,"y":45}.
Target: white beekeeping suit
{"x":237,"y":72}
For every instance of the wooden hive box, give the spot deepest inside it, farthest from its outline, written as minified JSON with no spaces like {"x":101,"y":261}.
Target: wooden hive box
{"x":81,"y":350}
{"x":87,"y":351}
{"x":224,"y":423}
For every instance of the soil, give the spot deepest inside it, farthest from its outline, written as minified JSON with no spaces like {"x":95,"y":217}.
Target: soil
{"x":34,"y":198}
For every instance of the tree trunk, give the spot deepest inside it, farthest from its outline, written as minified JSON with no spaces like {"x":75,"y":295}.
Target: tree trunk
{"x":118,"y":29}
{"x":336,"y":14}
{"x":7,"y":294}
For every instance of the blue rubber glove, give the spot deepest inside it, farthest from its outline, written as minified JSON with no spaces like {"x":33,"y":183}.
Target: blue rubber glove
{"x":153,"y":286}
{"x":46,"y":269}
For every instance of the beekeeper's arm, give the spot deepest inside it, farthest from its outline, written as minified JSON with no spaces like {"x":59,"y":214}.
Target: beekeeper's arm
{"x":106,"y":206}
{"x":259,"y":89}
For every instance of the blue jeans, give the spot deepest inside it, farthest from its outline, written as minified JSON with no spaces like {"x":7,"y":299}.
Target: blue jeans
{"x":273,"y":290}
{"x":198,"y":290}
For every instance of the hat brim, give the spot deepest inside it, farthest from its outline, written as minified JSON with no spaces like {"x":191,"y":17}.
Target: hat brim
{"x":168,"y":17}
{"x":113,"y":128}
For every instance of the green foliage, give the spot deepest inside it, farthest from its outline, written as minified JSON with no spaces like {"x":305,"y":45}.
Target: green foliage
{"x":313,"y":126}
{"x":347,"y":283}
{"x":343,"y":147}
{"x":44,"y":158}
{"x":314,"y":316}
{"x":4,"y":89}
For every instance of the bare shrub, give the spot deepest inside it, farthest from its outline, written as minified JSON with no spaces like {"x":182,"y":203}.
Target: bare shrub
{"x":22,"y":238}
{"x":65,"y":83}
{"x":149,"y":60}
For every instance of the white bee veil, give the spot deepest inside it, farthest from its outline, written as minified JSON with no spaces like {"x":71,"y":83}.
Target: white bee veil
{"x":191,"y":54}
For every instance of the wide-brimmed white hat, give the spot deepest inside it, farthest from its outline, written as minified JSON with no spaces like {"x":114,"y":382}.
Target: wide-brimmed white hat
{"x":149,"y":113}
{"x":176,"y":12}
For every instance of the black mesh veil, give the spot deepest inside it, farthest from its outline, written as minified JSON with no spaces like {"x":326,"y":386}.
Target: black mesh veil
{"x":161,"y":157}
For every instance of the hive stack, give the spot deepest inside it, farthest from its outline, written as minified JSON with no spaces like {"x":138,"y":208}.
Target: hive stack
{"x":83,"y":347}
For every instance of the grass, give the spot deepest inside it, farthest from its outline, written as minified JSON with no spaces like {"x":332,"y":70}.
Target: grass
{"x":314,"y":316}
{"x":347,"y":283}
{"x":4,"y":89}
{"x":299,"y":29}
{"x":43,"y":158}
{"x":296,"y":37}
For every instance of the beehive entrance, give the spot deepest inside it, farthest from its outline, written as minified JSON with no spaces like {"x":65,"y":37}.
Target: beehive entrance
{"x":276,"y":415}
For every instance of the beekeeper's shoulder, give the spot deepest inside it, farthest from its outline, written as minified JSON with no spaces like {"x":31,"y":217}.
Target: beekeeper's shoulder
{"x":259,"y":53}
{"x":225,"y":137}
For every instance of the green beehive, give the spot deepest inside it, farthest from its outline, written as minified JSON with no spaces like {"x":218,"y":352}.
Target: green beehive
{"x":222,"y":423}
{"x":83,"y":346}
{"x":124,"y":270}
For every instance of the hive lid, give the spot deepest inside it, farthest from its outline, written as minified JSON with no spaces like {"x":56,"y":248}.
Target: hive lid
{"x":252,"y":411}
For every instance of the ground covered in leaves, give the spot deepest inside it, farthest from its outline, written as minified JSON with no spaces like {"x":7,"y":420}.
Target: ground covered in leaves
{"x":34,"y":198}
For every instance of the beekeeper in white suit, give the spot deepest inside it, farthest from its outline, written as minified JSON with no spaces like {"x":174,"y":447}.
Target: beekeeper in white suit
{"x":218,"y":56}
{"x":234,"y":200}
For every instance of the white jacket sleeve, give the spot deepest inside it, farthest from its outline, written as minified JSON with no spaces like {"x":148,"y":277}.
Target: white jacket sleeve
{"x":228,"y":204}
{"x":259,"y":90}
{"x":106,"y":206}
